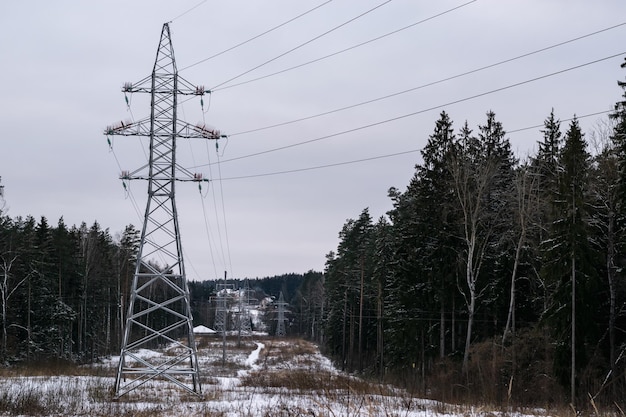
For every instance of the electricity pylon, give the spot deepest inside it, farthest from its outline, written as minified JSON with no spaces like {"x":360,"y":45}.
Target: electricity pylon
{"x":2,"y":202}
{"x":159,"y":311}
{"x":280,"y":326}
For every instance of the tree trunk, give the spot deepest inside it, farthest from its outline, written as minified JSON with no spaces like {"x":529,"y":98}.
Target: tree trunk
{"x":510,"y":321}
{"x":471,"y":278}
{"x":442,"y":330}
{"x":470,"y":324}
{"x":379,"y":331}
{"x":360,"y":348}
{"x":453,"y":327}
{"x":610,"y":267}
{"x":573,"y":341}
{"x":343,"y":330}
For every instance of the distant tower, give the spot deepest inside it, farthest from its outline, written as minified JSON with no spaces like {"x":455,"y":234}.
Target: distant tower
{"x":280,"y":326}
{"x":244,"y":318}
{"x":159,"y":312}
{"x":1,"y":196}
{"x":243,"y":312}
{"x":222,"y":299}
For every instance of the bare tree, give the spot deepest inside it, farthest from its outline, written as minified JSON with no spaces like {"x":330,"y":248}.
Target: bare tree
{"x":525,"y":192}
{"x":7,"y":289}
{"x":472,"y":178}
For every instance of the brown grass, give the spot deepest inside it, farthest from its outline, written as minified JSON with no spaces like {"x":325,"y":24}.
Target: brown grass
{"x":318,"y":382}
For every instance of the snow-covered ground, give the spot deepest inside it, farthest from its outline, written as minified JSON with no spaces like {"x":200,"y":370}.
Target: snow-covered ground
{"x":258,"y":377}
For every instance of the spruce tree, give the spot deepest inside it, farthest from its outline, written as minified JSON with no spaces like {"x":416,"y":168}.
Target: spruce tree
{"x":617,"y":265}
{"x":569,"y":261}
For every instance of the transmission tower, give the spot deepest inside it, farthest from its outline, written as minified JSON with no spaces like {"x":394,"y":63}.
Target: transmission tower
{"x":159,"y":312}
{"x":1,"y":196}
{"x":244,"y":319}
{"x":222,"y":304}
{"x":280,"y":326}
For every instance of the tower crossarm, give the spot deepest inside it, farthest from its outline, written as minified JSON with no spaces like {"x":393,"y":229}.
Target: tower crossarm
{"x":184,"y":87}
{"x":143,"y":128}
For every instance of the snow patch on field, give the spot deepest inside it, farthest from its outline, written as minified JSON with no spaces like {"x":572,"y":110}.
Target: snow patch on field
{"x":246,"y":382}
{"x":254,"y":356}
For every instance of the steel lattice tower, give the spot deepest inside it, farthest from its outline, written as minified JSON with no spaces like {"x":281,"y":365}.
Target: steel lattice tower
{"x":280,"y":326}
{"x":243,"y":312}
{"x":159,"y":311}
{"x":222,"y":299}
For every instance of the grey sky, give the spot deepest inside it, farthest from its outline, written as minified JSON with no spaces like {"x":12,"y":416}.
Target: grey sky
{"x":64,"y":62}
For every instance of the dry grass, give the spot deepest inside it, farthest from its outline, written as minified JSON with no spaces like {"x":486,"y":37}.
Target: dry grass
{"x":290,"y":378}
{"x":303,"y":381}
{"x":56,"y":368}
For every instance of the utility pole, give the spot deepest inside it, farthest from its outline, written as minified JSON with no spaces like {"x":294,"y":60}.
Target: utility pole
{"x":159,"y":311}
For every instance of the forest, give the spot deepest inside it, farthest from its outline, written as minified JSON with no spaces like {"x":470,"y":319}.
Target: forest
{"x":492,"y":277}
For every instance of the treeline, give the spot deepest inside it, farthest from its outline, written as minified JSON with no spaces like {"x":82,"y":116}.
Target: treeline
{"x":63,"y":290}
{"x":492,"y":277}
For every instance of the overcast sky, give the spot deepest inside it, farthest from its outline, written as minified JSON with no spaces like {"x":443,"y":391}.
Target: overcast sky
{"x":64,"y":63}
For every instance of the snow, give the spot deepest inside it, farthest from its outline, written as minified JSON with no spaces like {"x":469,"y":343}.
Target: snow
{"x":203,"y":330}
{"x":260,"y":377}
{"x":254,"y":356}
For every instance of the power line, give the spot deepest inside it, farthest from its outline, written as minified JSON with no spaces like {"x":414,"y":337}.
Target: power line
{"x":184,"y":13}
{"x":423,"y":85}
{"x":230,"y":262}
{"x":562,"y":120}
{"x":349,"y":48}
{"x":257,"y":36}
{"x":404,"y":116}
{"x":391,"y":155}
{"x":302,"y":44}
{"x":291,"y":171}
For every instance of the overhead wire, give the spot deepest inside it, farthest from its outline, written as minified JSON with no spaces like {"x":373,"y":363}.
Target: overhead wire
{"x":346,"y":49}
{"x":126,"y":186}
{"x":188,"y":260}
{"x":404,"y":116}
{"x":215,"y":205}
{"x":230,"y":263}
{"x":189,"y":10}
{"x":391,"y":155}
{"x":217,"y":221}
{"x":473,"y":71}
{"x":302,"y":44}
{"x":256,"y":36}
{"x":209,"y":236}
